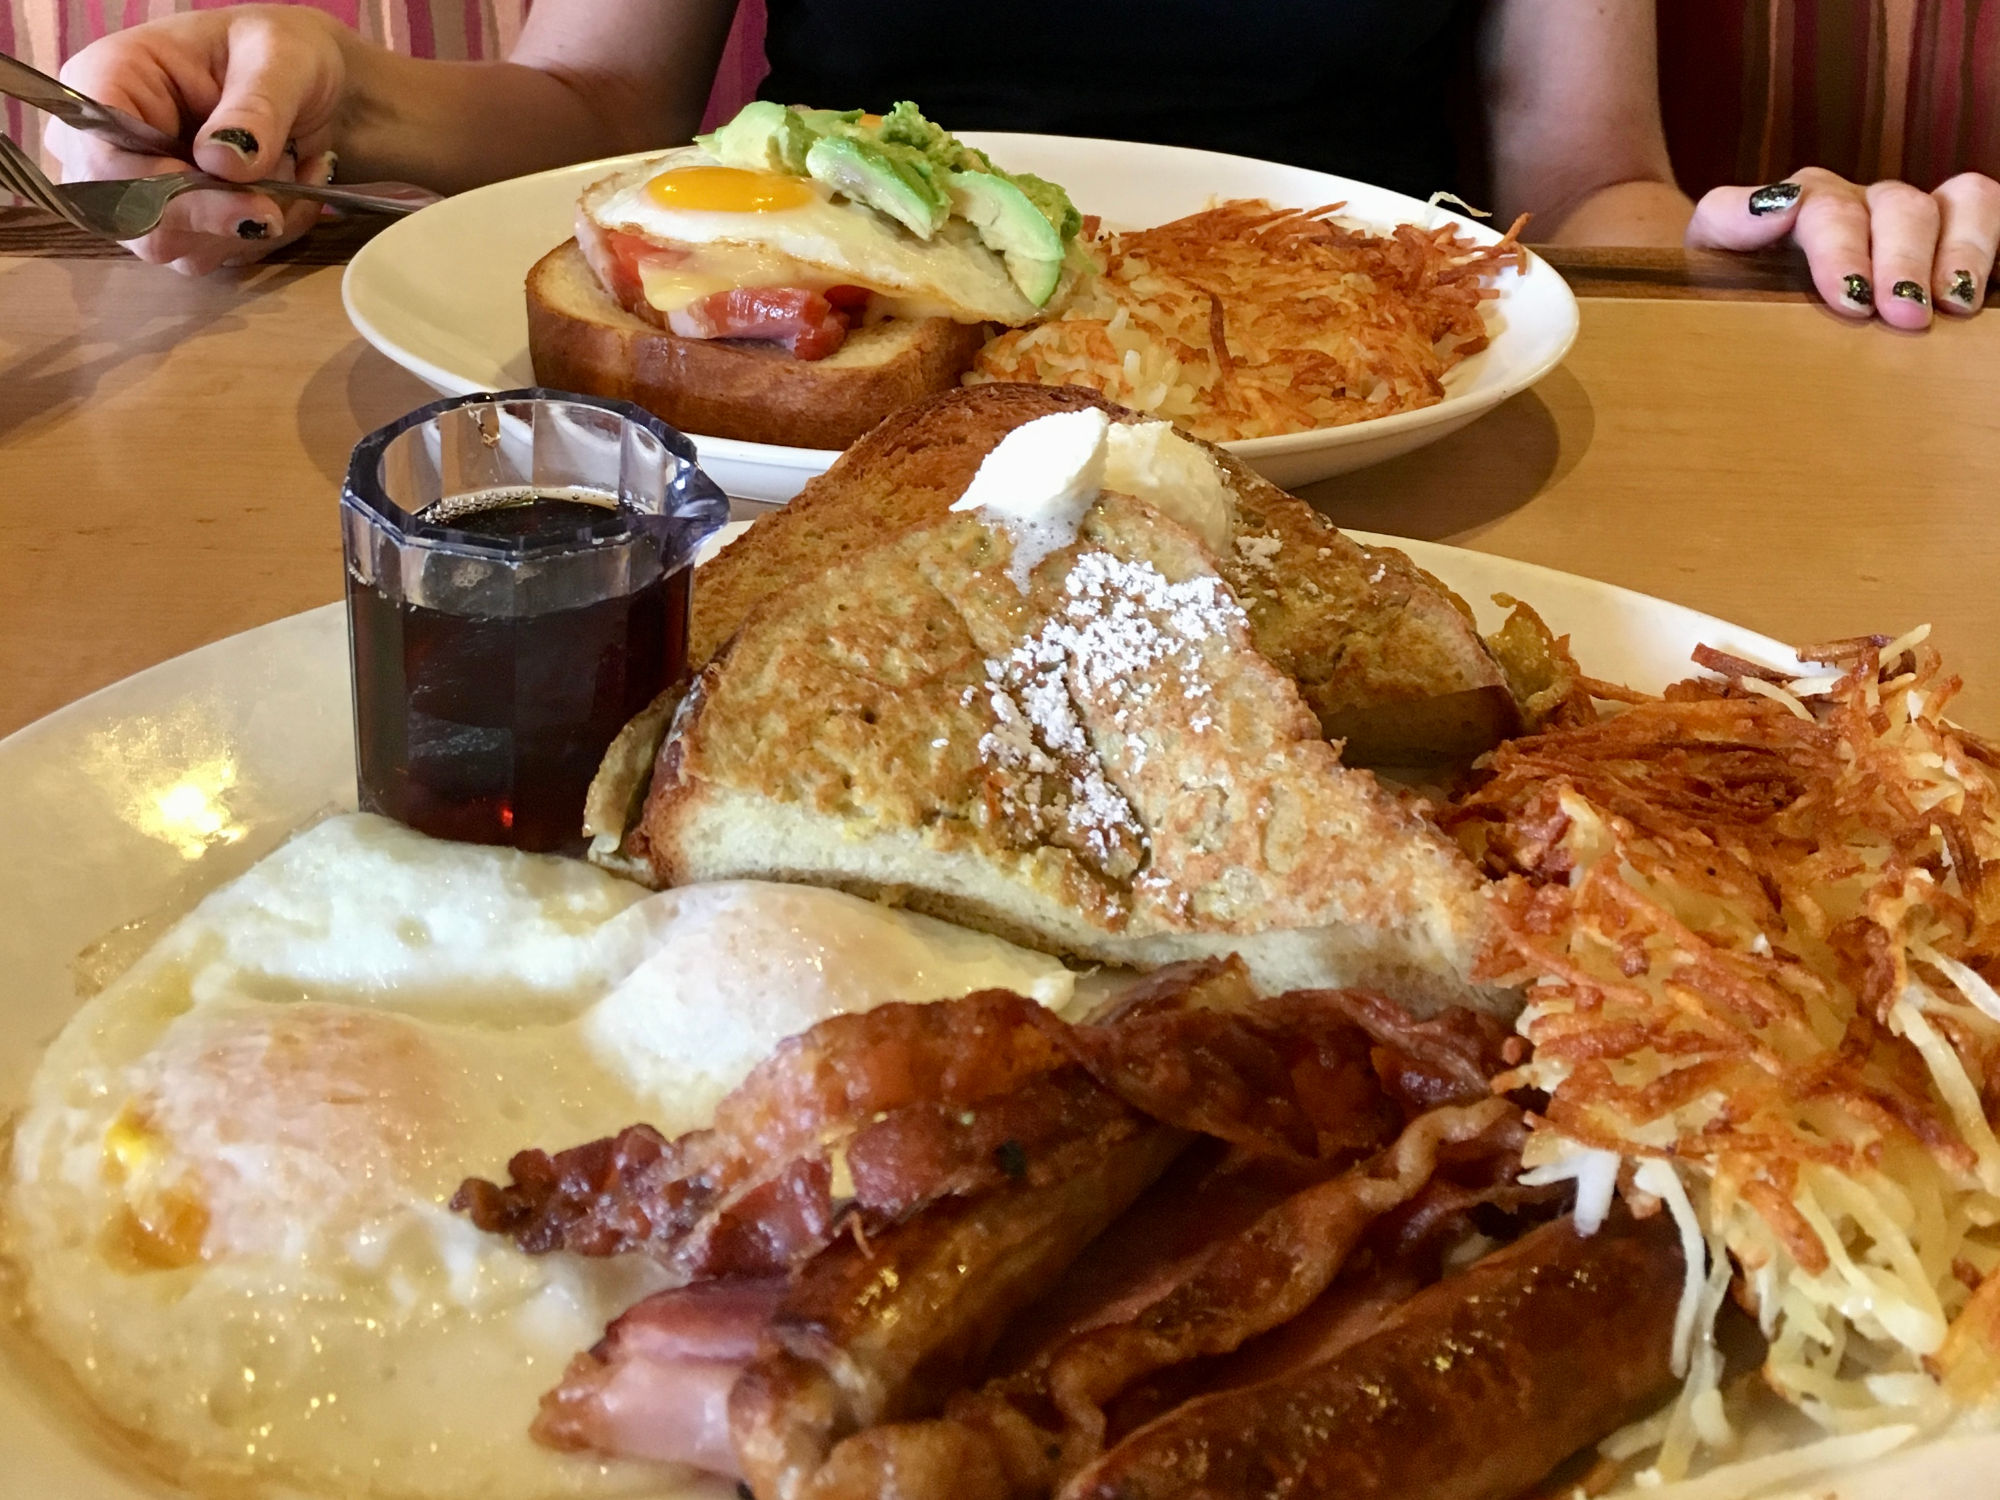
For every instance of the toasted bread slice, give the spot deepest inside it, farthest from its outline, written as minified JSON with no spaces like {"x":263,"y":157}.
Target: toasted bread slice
{"x":580,"y":339}
{"x":1388,"y":658}
{"x":1104,"y":768}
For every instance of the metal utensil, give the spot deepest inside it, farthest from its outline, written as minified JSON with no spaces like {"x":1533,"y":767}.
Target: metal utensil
{"x":125,"y":208}
{"x":81,"y":112}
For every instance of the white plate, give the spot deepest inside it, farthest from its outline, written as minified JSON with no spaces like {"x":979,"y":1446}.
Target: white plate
{"x":440,"y":292}
{"x":120,"y":810}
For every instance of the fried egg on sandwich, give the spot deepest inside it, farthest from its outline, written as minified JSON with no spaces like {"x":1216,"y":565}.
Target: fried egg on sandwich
{"x":684,"y":226}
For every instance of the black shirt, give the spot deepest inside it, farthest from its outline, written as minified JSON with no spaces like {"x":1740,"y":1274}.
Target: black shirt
{"x":1370,"y":89}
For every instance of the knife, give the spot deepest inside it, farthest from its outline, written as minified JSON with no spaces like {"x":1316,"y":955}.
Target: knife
{"x":80,"y":112}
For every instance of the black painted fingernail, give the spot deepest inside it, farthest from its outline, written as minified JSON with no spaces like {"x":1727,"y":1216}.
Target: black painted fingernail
{"x":236,"y":138}
{"x":252,"y":229}
{"x":1911,"y":291}
{"x":1964,"y":288}
{"x":1775,"y":199}
{"x":1859,"y":292}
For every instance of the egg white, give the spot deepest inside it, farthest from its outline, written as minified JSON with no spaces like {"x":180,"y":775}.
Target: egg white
{"x":228,"y":1185}
{"x":952,"y":274}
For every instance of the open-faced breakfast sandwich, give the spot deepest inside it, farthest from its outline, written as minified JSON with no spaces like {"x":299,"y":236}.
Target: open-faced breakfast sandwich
{"x":798,"y":274}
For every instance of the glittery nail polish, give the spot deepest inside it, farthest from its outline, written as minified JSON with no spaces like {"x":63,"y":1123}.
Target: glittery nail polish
{"x":1964,"y":288}
{"x":1774,"y":199}
{"x":1858,"y":291}
{"x":237,"y":138}
{"x":1911,"y":291}
{"x":252,"y":229}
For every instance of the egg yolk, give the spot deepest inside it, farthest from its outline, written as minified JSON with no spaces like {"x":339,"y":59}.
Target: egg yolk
{"x":156,"y":1228}
{"x":728,"y":190}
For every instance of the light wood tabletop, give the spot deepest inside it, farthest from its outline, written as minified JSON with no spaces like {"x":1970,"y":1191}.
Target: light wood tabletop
{"x":170,"y":452}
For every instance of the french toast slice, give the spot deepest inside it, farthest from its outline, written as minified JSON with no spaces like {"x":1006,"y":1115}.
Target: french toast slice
{"x":580,"y":339}
{"x":1104,"y":767}
{"x":1388,"y":658}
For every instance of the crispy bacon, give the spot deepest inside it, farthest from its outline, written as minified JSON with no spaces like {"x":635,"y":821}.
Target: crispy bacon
{"x":868,"y":1117}
{"x":756,"y":1193}
{"x":974,"y":1148}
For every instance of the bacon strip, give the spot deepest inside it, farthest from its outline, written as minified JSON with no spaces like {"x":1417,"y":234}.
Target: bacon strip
{"x":867,"y":1118}
{"x":755,"y":1194}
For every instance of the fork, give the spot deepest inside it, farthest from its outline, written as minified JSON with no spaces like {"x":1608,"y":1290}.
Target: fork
{"x":125,"y":208}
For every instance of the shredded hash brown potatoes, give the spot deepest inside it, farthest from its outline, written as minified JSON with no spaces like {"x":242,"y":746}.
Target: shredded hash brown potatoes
{"x":1759,"y":919}
{"x":1248,"y":321}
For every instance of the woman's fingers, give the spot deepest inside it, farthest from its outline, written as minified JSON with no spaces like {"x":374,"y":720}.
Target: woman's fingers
{"x":1825,"y":215}
{"x":1833,"y":230}
{"x":252,"y":130}
{"x":1969,"y":211}
{"x":1736,"y":218}
{"x":1903,"y":237}
{"x":208,"y":230}
{"x":251,"y":90}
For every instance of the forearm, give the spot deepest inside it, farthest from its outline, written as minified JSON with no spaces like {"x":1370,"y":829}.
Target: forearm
{"x":587,"y":79}
{"x":1640,"y":212}
{"x":453,"y":126}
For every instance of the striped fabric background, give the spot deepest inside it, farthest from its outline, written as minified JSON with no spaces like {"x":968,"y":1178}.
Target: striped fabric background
{"x":1751,"y":88}
{"x":1871,"y":88}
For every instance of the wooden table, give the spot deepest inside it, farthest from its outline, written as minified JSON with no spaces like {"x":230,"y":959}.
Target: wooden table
{"x":170,"y":452}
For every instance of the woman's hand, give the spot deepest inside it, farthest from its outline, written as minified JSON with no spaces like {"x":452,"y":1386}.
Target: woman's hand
{"x":1888,"y":249}
{"x":254,"y":88}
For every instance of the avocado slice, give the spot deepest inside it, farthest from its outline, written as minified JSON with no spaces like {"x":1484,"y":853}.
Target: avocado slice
{"x":1014,"y":228}
{"x":764,"y":137}
{"x":883,"y":179}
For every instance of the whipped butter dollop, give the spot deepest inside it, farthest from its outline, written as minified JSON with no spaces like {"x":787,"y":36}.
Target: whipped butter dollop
{"x":1042,"y":477}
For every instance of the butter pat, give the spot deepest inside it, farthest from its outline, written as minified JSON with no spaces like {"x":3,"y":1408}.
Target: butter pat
{"x":1037,"y":483}
{"x":1044,"y":475}
{"x":1152,"y":462}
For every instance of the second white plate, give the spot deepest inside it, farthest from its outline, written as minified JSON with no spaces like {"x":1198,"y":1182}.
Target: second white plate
{"x":441,"y":294}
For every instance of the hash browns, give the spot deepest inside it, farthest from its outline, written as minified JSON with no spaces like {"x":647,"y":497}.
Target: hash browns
{"x":1249,"y":321}
{"x":1761,"y":920}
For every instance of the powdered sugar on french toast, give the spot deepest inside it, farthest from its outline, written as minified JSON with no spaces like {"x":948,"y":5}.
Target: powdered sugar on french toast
{"x":1123,"y":622}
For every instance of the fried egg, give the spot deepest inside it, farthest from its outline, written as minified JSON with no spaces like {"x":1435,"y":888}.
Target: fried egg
{"x":229,"y":1185}
{"x":750,"y":228}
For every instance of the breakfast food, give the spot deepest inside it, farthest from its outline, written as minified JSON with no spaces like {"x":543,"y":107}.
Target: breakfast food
{"x":1761,"y":921}
{"x":1051,"y":723}
{"x":1248,"y":320}
{"x":1214,"y":1201}
{"x":797,"y":274}
{"x":1386,"y":657}
{"x":226,"y":1198}
{"x":406,"y":1169}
